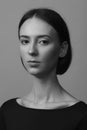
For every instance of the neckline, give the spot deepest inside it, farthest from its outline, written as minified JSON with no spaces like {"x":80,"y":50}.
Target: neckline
{"x":49,"y":109}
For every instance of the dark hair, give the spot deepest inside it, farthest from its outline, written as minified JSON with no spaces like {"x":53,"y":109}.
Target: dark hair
{"x":57,"y":22}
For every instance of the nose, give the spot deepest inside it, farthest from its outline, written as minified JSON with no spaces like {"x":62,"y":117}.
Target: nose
{"x":32,"y":50}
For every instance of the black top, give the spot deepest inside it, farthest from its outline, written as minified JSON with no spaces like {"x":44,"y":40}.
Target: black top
{"x":17,"y":117}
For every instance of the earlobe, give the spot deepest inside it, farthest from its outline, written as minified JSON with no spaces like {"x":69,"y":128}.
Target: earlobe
{"x":63,"y":49}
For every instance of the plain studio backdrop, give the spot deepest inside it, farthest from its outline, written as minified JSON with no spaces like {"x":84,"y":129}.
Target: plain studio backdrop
{"x":14,"y":80}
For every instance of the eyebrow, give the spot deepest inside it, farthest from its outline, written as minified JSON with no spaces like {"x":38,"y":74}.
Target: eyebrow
{"x":38,"y":36}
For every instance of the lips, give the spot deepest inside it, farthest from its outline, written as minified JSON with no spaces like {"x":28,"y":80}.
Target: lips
{"x":33,"y":61}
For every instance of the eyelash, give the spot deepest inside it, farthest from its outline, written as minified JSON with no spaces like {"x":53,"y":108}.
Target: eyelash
{"x":45,"y":42}
{"x":25,"y":42}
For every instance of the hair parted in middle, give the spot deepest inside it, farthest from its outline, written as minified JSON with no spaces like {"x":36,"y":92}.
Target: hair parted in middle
{"x":57,"y":22}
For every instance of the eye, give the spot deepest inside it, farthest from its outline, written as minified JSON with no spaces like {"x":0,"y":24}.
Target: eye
{"x":24,"y":42}
{"x":44,"y":42}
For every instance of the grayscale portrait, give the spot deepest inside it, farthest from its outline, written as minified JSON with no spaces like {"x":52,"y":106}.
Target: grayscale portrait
{"x":45,"y":73}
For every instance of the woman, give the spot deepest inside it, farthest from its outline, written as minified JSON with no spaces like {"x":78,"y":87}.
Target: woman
{"x":45,"y":52}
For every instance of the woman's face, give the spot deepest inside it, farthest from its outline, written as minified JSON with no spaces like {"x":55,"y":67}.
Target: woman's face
{"x":39,"y":42}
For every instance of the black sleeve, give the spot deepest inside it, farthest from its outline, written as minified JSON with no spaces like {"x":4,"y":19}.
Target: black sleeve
{"x":83,"y":124}
{"x":2,"y":123}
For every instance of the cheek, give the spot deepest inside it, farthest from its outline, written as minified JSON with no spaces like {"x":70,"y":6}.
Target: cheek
{"x":23,"y":52}
{"x":50,"y":55}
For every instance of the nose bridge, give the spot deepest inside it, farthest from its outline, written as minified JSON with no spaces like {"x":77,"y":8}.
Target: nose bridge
{"x":32,"y":47}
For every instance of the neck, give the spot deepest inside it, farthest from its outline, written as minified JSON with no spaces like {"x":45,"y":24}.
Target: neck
{"x":45,"y":89}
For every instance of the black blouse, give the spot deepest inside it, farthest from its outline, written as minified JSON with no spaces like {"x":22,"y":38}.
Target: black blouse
{"x":17,"y":117}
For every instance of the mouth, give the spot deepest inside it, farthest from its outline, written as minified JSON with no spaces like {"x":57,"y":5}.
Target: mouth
{"x":33,"y":63}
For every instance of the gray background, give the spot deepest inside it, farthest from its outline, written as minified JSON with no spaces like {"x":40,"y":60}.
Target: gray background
{"x":14,"y":80}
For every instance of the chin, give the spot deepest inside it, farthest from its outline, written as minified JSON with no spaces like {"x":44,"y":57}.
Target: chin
{"x":34,"y":71}
{"x":37,"y":73}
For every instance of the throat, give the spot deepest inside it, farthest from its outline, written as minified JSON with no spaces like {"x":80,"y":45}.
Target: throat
{"x":45,"y":91}
{"x":52,"y":96}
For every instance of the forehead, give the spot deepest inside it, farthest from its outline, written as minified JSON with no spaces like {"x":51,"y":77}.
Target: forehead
{"x":36,"y":26}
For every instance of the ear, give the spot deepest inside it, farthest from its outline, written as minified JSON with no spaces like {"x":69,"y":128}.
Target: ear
{"x":63,"y":49}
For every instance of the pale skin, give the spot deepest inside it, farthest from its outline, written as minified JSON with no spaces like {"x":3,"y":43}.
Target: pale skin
{"x":40,"y":41}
